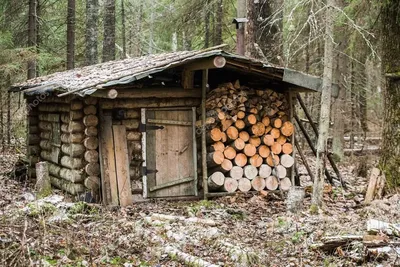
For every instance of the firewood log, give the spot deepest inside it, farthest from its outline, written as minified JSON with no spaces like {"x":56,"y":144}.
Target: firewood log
{"x":232,"y":133}
{"x":255,"y":141}
{"x":217,"y":146}
{"x":226,"y":124}
{"x":280,"y":171}
{"x":276,"y":148}
{"x":229,"y":152}
{"x":281,"y":139}
{"x":264,"y":171}
{"x":240,"y":125}
{"x":216,"y":181}
{"x":224,"y":138}
{"x":272,"y":161}
{"x":256,"y":160}
{"x":215,"y":158}
{"x":214,"y":135}
{"x":244,"y":136}
{"x":226,"y":165}
{"x":271,"y":183}
{"x":263,"y":151}
{"x":268,"y":129}
{"x":240,"y":160}
{"x":244,"y":185}
{"x":266,"y":121}
{"x":258,"y":183}
{"x":285,"y":184}
{"x":287,"y":148}
{"x":287,"y":161}
{"x":249,"y":150}
{"x":287,"y":128}
{"x":230,"y":185}
{"x":268,"y":140}
{"x":250,"y":172}
{"x":258,"y":129}
{"x":277,"y":123}
{"x":275,"y":133}
{"x":238,"y":144}
{"x":209,"y":121}
{"x":236,"y":172}
{"x":241,"y":114}
{"x":250,"y":119}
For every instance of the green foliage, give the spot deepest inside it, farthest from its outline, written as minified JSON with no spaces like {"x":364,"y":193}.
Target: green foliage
{"x":298,"y":237}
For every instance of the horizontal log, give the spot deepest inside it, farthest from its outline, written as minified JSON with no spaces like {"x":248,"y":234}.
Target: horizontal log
{"x":131,"y":124}
{"x":90,"y":120}
{"x":50,"y":117}
{"x":149,"y":103}
{"x":91,"y":156}
{"x":92,"y":169}
{"x":92,"y":183}
{"x":45,"y":135}
{"x":90,"y":110}
{"x":68,"y":138}
{"x":91,"y":143}
{"x":76,"y":104}
{"x":45,"y":145}
{"x":45,"y":126}
{"x":73,"y":150}
{"x":72,"y":163}
{"x":90,"y":100}
{"x":54,"y":108}
{"x":133,"y":136}
{"x":91,"y":131}
{"x":71,"y":188}
{"x":52,"y":156}
{"x":151,"y":92}
{"x":74,"y":176}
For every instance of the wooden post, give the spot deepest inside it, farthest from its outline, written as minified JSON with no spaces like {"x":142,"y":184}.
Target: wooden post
{"x":43,"y":185}
{"x":292,"y":107}
{"x":194,"y":150}
{"x":203,"y":132}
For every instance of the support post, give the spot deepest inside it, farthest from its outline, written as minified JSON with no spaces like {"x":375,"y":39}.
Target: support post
{"x":203,"y":132}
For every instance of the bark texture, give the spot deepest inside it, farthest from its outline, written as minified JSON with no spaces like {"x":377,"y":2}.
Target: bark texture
{"x":109,"y":31}
{"x":92,"y":15}
{"x":390,"y":159}
{"x":71,"y":35}
{"x":317,"y":197}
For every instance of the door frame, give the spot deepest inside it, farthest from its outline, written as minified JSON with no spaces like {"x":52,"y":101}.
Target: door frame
{"x":144,"y":147}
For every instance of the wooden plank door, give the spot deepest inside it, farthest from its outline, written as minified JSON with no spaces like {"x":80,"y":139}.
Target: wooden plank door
{"x":116,"y":187}
{"x":170,"y":149}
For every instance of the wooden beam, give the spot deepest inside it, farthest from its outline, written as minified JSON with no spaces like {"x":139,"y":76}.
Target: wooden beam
{"x":203,"y":132}
{"x":208,"y":63}
{"x":149,"y":103}
{"x":163,"y":92}
{"x":172,"y":183}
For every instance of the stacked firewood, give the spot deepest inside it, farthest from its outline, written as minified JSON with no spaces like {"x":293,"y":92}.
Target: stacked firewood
{"x":248,"y":137}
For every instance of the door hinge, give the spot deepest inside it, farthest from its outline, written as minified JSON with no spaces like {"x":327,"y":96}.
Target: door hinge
{"x":144,"y":127}
{"x":146,"y":171}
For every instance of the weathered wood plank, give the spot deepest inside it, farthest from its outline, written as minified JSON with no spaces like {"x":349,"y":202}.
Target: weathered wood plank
{"x":122,"y":165}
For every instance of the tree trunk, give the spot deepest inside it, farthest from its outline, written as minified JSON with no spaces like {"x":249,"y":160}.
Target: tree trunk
{"x":206,"y":25}
{"x":218,"y":25}
{"x":71,"y":35}
{"x":123,"y":33}
{"x":390,"y":159}
{"x":109,"y":31}
{"x":341,"y":71}
{"x":32,"y":18}
{"x":318,"y":186}
{"x":38,"y":38}
{"x":92,"y":17}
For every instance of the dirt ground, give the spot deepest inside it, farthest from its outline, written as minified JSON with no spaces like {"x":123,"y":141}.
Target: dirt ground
{"x":245,"y":230}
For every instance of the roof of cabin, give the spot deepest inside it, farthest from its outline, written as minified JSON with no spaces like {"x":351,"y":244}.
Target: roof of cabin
{"x":86,"y":80}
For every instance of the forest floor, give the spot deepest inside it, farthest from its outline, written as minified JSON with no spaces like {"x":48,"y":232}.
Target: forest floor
{"x":245,"y":230}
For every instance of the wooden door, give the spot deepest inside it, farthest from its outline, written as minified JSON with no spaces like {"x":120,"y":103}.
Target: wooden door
{"x":170,"y":168}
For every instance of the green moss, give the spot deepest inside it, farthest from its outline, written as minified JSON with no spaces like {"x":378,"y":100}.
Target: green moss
{"x":314,"y":209}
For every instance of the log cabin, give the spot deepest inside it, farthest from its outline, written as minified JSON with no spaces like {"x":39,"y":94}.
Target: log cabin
{"x":173,"y":125}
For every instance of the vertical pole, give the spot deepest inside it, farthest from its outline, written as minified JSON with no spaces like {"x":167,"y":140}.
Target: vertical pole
{"x":203,"y":131}
{"x":196,"y":193}
{"x":292,"y":108}
{"x":240,"y":31}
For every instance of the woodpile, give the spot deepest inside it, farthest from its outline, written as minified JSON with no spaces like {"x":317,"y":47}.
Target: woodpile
{"x":249,"y":136}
